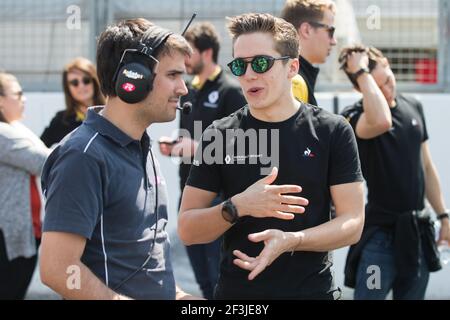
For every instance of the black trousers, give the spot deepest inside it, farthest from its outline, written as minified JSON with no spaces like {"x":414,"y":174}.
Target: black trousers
{"x":15,"y":275}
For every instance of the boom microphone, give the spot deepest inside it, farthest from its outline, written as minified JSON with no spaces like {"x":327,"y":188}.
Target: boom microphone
{"x":186,"y":108}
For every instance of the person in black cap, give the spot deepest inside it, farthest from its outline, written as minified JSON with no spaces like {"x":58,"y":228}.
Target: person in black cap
{"x":397,"y":250}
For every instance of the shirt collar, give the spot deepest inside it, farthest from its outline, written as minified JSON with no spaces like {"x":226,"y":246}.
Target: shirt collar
{"x":196,"y":81}
{"x":79,"y":116}
{"x":309,"y":71}
{"x":106,"y":128}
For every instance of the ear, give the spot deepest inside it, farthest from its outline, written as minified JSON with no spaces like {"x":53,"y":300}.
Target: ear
{"x":294,"y":65}
{"x":304,"y":30}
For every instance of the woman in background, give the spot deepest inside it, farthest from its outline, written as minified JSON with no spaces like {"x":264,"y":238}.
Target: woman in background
{"x":22,"y":156}
{"x":81,"y":90}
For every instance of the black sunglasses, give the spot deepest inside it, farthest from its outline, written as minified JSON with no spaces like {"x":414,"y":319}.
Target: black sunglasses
{"x":260,"y":64}
{"x":76,"y":82}
{"x":329,"y":28}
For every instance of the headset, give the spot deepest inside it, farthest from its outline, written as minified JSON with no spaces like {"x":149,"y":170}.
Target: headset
{"x":137,"y":68}
{"x":133,"y":79}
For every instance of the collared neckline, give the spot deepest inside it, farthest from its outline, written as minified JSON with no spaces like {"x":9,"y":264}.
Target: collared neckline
{"x":196,"y":81}
{"x":309,"y":71}
{"x":105,"y":128}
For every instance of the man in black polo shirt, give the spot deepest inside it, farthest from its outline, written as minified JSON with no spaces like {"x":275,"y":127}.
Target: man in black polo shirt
{"x":396,"y":162}
{"x":273,"y":246}
{"x":106,"y":210}
{"x":214,"y":95}
{"x":313,"y":20}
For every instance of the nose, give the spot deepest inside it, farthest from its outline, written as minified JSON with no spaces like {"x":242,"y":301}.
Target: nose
{"x":181,"y":90}
{"x":333,"y":41}
{"x":249,"y":73}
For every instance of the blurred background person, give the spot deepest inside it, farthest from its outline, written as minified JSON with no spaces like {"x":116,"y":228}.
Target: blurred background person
{"x":314,"y":22}
{"x":392,"y":137}
{"x":22,"y":156}
{"x":81,"y":90}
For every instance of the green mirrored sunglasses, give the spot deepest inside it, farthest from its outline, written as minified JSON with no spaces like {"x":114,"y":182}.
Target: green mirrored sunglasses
{"x":260,"y":64}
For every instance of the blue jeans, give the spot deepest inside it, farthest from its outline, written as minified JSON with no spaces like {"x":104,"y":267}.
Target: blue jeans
{"x":377,"y":260}
{"x":205,"y":261}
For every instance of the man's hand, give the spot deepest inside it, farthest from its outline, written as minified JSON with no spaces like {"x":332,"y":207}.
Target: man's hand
{"x":181,"y":295}
{"x":276,"y":242}
{"x":356,"y":61}
{"x":181,"y":147}
{"x":262,"y":199}
{"x":166,"y":145}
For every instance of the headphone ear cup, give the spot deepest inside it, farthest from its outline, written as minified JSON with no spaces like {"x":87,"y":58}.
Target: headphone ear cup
{"x":134,"y":82}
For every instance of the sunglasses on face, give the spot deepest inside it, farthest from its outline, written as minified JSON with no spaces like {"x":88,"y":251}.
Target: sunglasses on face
{"x":260,"y":64}
{"x":329,"y":28}
{"x":76,"y":82}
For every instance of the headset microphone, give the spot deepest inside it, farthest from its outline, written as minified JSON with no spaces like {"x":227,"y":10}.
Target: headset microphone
{"x":186,"y":108}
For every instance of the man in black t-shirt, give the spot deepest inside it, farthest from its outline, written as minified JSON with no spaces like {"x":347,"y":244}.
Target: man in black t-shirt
{"x":396,"y":163}
{"x":277,"y":228}
{"x":214,"y":94}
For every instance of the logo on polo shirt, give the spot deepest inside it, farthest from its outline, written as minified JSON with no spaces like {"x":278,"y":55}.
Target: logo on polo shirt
{"x":213,"y":97}
{"x":414,"y":122}
{"x":308,"y":153}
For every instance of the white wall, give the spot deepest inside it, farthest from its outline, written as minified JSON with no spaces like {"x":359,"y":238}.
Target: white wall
{"x":40,"y":108}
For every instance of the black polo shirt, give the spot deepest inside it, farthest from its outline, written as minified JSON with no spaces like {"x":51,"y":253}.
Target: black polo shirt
{"x":217,"y":98}
{"x":316,"y":150}
{"x":100,"y":184}
{"x":392,"y":162}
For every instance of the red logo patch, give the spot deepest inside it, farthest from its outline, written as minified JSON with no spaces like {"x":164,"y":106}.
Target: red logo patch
{"x":128,"y":87}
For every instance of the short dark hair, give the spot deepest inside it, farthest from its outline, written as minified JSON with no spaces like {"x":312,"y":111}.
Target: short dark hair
{"x":124,"y":35}
{"x":204,"y":36}
{"x":297,"y":12}
{"x":375,"y":57}
{"x":283,"y":33}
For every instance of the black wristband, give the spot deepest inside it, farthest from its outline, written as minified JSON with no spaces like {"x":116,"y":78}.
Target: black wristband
{"x":229,"y":212}
{"x":442,"y":216}
{"x":356,"y":75}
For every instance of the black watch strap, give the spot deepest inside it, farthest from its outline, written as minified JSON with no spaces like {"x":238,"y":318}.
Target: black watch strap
{"x":443,"y":215}
{"x":229,"y":211}
{"x":356,"y":75}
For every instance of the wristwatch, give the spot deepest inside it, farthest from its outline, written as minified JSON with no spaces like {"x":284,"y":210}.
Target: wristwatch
{"x":360,"y":72}
{"x":230,"y":212}
{"x":443,"y":215}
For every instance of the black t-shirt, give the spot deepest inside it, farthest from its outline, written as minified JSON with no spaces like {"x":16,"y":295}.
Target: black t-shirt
{"x":316,"y":150}
{"x":216,"y":99}
{"x":392,"y":163}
